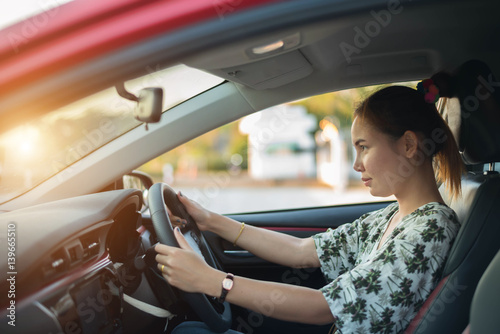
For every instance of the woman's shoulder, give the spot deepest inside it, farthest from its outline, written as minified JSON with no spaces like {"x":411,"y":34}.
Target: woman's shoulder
{"x":437,"y":214}
{"x":437,"y":209}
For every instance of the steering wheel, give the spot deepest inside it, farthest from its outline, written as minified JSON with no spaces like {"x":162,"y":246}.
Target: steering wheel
{"x":162,"y":196}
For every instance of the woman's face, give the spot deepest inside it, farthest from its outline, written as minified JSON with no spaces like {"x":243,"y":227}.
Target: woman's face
{"x":377,"y":159}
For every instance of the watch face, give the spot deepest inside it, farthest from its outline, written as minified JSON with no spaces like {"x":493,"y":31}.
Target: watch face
{"x":227,"y":283}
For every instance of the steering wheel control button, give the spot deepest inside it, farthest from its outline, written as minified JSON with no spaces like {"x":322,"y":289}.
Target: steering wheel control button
{"x":195,"y":238}
{"x":227,"y":285}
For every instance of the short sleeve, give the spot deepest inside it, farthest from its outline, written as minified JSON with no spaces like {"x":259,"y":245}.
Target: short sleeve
{"x":383,"y":294}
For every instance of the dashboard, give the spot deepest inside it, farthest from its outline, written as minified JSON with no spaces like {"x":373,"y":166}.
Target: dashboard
{"x":69,"y":264}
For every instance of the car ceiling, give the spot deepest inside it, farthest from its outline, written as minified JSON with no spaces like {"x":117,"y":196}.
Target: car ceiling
{"x":420,"y":40}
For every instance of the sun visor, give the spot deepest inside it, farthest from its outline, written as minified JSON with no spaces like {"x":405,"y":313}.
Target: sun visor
{"x":270,"y":72}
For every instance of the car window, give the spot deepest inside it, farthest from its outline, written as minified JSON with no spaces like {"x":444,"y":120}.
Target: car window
{"x":295,"y":155}
{"x":43,"y":147}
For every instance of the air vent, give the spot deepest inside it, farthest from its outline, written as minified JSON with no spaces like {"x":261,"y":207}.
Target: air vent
{"x":71,"y":255}
{"x":56,"y":264}
{"x":75,"y":252}
{"x":91,"y":246}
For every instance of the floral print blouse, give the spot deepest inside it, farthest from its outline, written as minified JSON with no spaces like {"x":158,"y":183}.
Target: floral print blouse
{"x":374,"y":290}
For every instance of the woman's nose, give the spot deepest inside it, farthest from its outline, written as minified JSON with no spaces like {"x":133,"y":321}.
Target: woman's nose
{"x":358,"y":166}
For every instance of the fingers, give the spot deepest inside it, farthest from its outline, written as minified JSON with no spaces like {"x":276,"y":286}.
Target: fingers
{"x":161,"y":267}
{"x":165,"y":253}
{"x":163,"y":249}
{"x":195,"y":210}
{"x":176,"y":264}
{"x":188,"y":203}
{"x":184,"y":200}
{"x":183,"y":267}
{"x":181,"y":240}
{"x":162,"y":258}
{"x":178,"y":222}
{"x":175,"y":220}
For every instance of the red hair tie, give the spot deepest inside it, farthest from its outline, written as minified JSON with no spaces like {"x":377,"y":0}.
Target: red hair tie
{"x":429,"y":89}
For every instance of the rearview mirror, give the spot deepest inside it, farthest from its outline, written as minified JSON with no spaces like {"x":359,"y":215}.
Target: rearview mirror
{"x":149,"y":106}
{"x":149,"y":102}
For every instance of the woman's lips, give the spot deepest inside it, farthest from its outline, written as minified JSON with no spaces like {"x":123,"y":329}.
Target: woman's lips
{"x":366,"y":181}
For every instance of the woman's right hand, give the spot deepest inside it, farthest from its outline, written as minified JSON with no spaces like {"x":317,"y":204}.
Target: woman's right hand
{"x":201,"y":216}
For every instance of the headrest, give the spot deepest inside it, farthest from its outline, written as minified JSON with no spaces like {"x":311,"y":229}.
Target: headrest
{"x":478,"y":93}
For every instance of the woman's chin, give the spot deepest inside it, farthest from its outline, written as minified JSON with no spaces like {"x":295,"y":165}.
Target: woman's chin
{"x":379,"y":193}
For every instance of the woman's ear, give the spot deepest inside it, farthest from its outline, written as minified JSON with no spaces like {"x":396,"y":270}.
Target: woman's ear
{"x":410,"y":141}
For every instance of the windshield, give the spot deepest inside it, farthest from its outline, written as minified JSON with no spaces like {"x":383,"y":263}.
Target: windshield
{"x":37,"y":150}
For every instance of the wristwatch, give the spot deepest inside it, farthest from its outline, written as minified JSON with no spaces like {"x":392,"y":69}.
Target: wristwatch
{"x":227,"y":285}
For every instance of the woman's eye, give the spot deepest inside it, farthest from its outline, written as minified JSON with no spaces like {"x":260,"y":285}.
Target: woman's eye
{"x":362,"y":147}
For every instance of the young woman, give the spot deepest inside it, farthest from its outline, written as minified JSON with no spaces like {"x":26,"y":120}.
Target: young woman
{"x":380,"y":268}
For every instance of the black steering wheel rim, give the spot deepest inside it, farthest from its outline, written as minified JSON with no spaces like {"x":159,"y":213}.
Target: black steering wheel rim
{"x":162,"y":196}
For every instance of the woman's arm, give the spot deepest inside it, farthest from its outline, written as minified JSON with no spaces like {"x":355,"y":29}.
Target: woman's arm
{"x":272,"y":246}
{"x":276,"y":300}
{"x":186,"y":270}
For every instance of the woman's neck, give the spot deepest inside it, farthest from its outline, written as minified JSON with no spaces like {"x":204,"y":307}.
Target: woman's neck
{"x":418,"y":190}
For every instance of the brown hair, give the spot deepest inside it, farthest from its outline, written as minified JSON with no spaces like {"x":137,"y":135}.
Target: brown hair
{"x":396,"y":109}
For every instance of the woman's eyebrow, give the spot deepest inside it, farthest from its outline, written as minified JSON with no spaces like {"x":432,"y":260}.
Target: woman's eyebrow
{"x":359,"y":141}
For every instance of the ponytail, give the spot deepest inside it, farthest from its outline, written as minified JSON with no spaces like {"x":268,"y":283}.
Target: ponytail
{"x":448,"y":164}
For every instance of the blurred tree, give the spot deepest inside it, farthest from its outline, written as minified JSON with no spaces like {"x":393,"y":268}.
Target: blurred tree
{"x":339,"y":104}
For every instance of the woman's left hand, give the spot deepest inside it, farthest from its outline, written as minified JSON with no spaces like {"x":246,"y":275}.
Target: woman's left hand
{"x":182,"y":267}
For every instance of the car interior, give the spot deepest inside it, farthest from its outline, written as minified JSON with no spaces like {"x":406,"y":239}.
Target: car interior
{"x":84,"y":248}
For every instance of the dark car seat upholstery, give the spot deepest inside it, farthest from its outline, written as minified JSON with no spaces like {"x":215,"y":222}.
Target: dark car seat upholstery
{"x":484,"y":317}
{"x":478,"y":208}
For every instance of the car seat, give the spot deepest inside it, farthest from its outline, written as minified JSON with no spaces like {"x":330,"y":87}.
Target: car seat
{"x":484,"y":317}
{"x":447,"y":308}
